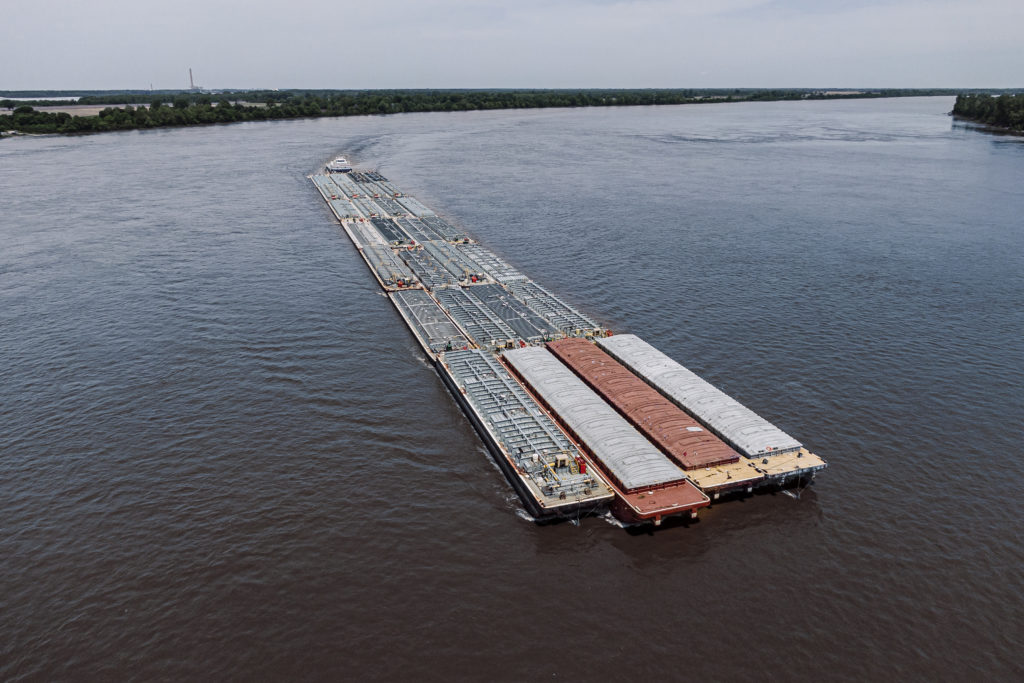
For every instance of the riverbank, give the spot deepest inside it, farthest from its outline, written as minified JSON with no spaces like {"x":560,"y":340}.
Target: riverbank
{"x":202,"y":109}
{"x":1002,"y":114}
{"x":987,"y":127}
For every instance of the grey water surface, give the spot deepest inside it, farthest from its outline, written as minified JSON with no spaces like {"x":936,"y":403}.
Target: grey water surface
{"x":223,"y":456}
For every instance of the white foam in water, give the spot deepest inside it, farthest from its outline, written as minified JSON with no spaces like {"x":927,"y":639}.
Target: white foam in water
{"x":521,"y":513}
{"x":608,"y":517}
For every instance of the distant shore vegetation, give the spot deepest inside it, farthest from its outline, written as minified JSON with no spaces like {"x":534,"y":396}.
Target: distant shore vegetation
{"x":146,"y":109}
{"x":1005,"y":111}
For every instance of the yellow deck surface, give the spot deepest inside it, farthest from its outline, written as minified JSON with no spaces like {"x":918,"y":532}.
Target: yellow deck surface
{"x":787,"y":463}
{"x":727,"y":476}
{"x":753,"y":471}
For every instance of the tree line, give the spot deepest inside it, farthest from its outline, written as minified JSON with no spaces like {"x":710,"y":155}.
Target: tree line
{"x":200,"y":108}
{"x":149,"y":110}
{"x":1004,"y":111}
{"x":136,"y":97}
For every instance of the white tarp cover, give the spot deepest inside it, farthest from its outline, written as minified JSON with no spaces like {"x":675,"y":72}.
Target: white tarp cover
{"x":623,"y":451}
{"x":738,"y":425}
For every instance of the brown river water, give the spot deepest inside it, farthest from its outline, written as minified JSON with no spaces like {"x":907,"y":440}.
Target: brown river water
{"x":224,"y":457}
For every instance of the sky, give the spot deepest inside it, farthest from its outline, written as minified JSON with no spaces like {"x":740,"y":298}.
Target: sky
{"x":346,"y":44}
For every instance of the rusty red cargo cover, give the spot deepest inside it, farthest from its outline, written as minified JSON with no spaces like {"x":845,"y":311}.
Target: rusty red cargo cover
{"x":672,"y":430}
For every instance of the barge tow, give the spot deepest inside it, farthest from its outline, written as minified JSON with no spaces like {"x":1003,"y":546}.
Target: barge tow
{"x":578,"y":420}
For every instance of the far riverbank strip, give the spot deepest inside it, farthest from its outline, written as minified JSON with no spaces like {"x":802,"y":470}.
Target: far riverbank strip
{"x":131,"y":111}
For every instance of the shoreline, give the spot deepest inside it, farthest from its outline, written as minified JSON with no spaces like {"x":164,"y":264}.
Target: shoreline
{"x":59,"y":120}
{"x":986,"y":127}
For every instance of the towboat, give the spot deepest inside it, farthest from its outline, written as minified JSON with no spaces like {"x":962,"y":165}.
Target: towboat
{"x":339,"y":165}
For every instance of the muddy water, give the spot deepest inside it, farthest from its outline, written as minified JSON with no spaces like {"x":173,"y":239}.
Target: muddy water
{"x":224,"y":457}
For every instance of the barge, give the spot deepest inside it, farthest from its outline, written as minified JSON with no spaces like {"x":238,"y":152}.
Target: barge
{"x":542,"y":463}
{"x":712,"y":465}
{"x":781,"y":458}
{"x":578,"y":421}
{"x":648,"y":485}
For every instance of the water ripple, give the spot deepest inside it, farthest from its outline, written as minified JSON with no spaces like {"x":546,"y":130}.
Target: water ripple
{"x":225,"y":457}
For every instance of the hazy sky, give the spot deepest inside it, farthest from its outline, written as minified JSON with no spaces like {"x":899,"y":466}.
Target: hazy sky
{"x":107,"y":44}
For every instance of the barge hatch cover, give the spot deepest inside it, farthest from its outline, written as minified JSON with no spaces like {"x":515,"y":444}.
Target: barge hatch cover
{"x":435,"y":331}
{"x":562,"y":315}
{"x":667,"y":426}
{"x":481,"y":324}
{"x":626,"y":455}
{"x":745,"y":430}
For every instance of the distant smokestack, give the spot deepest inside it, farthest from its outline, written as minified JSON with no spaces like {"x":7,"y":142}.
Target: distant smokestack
{"x":191,"y":83}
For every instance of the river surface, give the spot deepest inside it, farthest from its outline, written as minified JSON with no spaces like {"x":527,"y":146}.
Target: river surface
{"x":224,"y":457}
